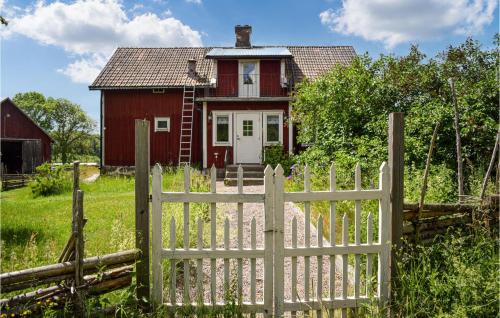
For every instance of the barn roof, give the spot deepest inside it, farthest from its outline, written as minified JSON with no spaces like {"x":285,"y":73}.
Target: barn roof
{"x":167,"y":67}
{"x":8,"y":100}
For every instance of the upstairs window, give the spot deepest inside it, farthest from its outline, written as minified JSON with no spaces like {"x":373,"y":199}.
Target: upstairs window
{"x":249,"y":72}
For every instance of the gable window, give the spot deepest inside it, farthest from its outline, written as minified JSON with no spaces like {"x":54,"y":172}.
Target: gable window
{"x":222,"y":129}
{"x":162,"y":124}
{"x":273,"y":128}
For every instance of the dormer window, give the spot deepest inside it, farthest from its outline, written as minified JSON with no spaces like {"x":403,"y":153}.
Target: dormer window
{"x":248,"y":73}
{"x":248,"y":78}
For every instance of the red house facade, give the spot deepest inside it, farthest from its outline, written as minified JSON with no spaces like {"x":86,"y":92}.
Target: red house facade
{"x":24,"y":145}
{"x":207,"y":106}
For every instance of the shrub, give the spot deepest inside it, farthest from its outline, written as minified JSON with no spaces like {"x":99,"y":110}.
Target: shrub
{"x":274,"y":155}
{"x":50,"y":180}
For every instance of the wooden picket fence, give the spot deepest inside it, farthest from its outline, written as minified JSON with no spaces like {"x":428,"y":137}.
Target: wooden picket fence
{"x":355,"y":288}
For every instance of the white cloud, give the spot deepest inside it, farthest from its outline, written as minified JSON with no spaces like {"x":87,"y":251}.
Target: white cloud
{"x":398,"y":21}
{"x":84,"y":70}
{"x":92,"y":29}
{"x":194,"y":1}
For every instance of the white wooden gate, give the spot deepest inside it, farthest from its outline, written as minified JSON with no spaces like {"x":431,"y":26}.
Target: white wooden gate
{"x":274,"y":252}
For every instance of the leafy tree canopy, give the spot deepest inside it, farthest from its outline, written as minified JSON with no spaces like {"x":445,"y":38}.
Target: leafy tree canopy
{"x":344,"y":113}
{"x":66,"y":122}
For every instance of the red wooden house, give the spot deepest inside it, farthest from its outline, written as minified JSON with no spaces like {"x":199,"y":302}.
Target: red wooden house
{"x":207,"y":105}
{"x":24,"y":145}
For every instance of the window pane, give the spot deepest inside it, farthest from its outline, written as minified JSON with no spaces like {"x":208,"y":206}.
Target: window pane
{"x":248,"y":128}
{"x":222,"y":128}
{"x":162,"y":124}
{"x":248,"y":73}
{"x":273,"y":128}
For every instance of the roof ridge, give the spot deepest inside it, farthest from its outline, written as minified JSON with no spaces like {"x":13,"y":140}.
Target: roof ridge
{"x":227,"y":47}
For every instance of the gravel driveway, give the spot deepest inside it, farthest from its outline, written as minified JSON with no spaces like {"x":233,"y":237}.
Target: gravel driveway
{"x":251,"y":210}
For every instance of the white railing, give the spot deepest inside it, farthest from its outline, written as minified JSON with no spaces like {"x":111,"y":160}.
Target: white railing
{"x":273,"y":252}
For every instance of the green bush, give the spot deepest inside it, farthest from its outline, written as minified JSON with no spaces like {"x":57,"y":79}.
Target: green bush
{"x":441,"y":184}
{"x":50,"y":180}
{"x":274,"y":155}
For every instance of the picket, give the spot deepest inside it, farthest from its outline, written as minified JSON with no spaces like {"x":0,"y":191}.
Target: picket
{"x":274,"y":252}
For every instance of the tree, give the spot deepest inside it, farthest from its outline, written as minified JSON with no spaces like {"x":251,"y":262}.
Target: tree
{"x":37,"y":107}
{"x":344,"y":113}
{"x":70,"y":125}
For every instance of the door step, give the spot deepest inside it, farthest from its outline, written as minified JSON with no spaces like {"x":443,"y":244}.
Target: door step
{"x":253,"y":174}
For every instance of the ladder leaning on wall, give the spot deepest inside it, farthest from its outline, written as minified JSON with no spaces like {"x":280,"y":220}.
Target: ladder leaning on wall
{"x":186,"y":134}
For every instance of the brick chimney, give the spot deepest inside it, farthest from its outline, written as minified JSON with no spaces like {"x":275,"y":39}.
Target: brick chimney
{"x":192,"y":68}
{"x":243,"y":33}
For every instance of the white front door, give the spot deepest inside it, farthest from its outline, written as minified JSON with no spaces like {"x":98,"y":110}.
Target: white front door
{"x":248,"y":138}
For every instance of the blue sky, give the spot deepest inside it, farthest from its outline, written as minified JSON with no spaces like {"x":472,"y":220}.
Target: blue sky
{"x":58,"y":47}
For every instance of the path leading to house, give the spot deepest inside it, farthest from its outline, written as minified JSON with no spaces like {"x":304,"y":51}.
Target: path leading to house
{"x":251,"y":210}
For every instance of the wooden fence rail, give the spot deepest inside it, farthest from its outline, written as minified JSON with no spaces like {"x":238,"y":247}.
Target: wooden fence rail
{"x":425,"y":224}
{"x":14,"y":181}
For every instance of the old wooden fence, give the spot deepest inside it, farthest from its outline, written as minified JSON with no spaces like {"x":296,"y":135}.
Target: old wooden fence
{"x":274,"y":251}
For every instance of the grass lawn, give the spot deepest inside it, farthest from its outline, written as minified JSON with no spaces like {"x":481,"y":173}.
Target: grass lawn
{"x":35,"y":230}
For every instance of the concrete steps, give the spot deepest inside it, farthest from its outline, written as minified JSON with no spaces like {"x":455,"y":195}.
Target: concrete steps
{"x":253,"y":174}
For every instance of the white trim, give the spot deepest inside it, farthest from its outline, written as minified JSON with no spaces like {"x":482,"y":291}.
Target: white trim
{"x":283,"y":79}
{"x":103,"y":129}
{"x":157,"y":119}
{"x":216,"y":114}
{"x":257,"y":78}
{"x":205,"y":132}
{"x":215,"y":73}
{"x":290,"y":129}
{"x":264,"y":128}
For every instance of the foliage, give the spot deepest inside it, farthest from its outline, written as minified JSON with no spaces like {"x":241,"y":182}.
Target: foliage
{"x":66,"y":122}
{"x":440,"y":185}
{"x":36,"y":106}
{"x":71,"y":124}
{"x":50,"y":180}
{"x":344,"y":113}
{"x":457,"y":276}
{"x":274,"y":155}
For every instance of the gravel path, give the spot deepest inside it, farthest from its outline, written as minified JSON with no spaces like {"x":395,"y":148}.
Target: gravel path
{"x":251,"y":210}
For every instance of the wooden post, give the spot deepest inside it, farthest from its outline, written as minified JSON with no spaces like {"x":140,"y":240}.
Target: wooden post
{"x":79,"y":254}
{"x":456,"y":121}
{"x":396,"y":168}
{"x":423,"y":189}
{"x":76,"y":182}
{"x":490,"y":167}
{"x":142,"y":208}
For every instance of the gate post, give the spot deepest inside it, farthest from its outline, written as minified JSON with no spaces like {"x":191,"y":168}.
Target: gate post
{"x":268,"y":240}
{"x":279,"y":243}
{"x":396,"y":168}
{"x":142,"y":208}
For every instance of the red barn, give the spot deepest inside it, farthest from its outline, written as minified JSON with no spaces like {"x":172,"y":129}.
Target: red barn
{"x":24,"y":145}
{"x":207,"y":105}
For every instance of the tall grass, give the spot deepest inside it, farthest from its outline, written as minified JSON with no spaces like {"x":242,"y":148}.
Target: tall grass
{"x":457,"y":276}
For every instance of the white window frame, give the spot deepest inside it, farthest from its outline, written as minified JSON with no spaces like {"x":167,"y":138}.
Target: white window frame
{"x":214,"y":129}
{"x":280,"y":141}
{"x":283,"y":79}
{"x":257,"y":77}
{"x":158,"y":129}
